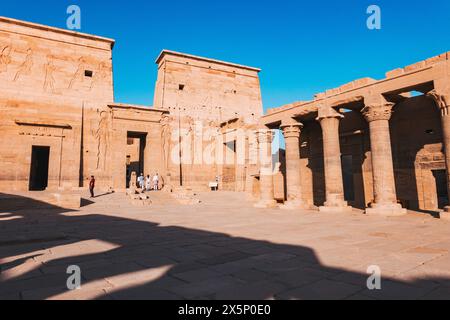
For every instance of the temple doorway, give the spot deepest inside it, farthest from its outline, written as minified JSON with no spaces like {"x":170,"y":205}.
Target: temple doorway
{"x":136,"y":143}
{"x":228,"y":182}
{"x":441,"y":187}
{"x":40,"y":156}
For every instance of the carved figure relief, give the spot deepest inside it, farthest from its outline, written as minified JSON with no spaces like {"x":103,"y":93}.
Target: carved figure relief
{"x":49,"y":83}
{"x":101,"y":135}
{"x":166,"y":135}
{"x":5,"y":59}
{"x":210,"y":136}
{"x":100,"y":75}
{"x":189,"y":142}
{"x":79,"y":73}
{"x":26,"y":66}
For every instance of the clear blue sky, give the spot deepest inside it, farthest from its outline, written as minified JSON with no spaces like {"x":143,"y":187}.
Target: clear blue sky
{"x":303,"y":47}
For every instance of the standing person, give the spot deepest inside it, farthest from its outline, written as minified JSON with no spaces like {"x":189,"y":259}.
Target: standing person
{"x":92,"y":186}
{"x":156,"y":182}
{"x":141,"y":182}
{"x":148,"y":183}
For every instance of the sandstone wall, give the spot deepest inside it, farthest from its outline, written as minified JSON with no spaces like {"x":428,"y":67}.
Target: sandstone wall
{"x":209,"y":90}
{"x":51,"y":82}
{"x":208,"y":101}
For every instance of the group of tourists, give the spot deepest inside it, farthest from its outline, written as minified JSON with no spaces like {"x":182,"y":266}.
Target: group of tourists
{"x":148,"y":183}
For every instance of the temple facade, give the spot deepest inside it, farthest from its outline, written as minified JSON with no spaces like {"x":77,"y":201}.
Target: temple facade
{"x":60,"y":124}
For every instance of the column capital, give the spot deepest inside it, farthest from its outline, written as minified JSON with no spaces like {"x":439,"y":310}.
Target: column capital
{"x":378,"y":111}
{"x":327,"y":113}
{"x":265,"y":136}
{"x":291,"y":128}
{"x":442,"y":101}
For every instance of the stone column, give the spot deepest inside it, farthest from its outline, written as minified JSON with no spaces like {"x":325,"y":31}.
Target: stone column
{"x":267,"y":200}
{"x":291,"y":131}
{"x":443,"y":103}
{"x":334,"y":187}
{"x":385,"y":203}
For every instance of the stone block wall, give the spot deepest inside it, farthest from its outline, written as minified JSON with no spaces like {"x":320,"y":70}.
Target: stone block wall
{"x":53,"y":86}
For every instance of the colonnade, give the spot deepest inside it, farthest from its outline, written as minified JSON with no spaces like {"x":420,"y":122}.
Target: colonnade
{"x":377,"y":112}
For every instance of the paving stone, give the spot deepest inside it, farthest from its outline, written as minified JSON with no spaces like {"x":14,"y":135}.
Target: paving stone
{"x":394,"y":290}
{"x":206,"y":287}
{"x":196,"y":253}
{"x":263,"y":290}
{"x":322,"y":290}
{"x":196,"y":275}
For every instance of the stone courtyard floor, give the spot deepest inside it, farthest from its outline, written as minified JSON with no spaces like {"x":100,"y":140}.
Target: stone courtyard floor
{"x":220,"y":249}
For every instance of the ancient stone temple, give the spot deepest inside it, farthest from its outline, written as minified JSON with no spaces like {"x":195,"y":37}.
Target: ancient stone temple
{"x":379,"y":145}
{"x":60,"y":124}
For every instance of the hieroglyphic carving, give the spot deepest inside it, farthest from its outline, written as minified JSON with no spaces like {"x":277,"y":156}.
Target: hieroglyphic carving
{"x":190,"y":136}
{"x":79,"y":73}
{"x":5,"y":58}
{"x":100,"y":75}
{"x":166,"y":135}
{"x":211,"y":133}
{"x":49,"y":83}
{"x":101,"y":135}
{"x":25,"y":67}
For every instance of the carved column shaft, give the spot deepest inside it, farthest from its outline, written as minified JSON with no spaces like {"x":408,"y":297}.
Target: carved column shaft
{"x":385,"y":195}
{"x":332,"y":158}
{"x":291,"y":134}
{"x":265,"y":138}
{"x":443,"y":103}
{"x":334,"y":186}
{"x":445,"y":119}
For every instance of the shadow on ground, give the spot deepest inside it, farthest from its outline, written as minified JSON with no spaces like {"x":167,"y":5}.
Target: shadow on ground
{"x":166,"y":262}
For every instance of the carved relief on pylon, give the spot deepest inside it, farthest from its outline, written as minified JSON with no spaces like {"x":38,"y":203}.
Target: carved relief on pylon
{"x":100,"y":75}
{"x":5,"y":58}
{"x":50,"y":68}
{"x":26,"y":66}
{"x":100,"y":134}
{"x":79,"y":73}
{"x":166,"y":137}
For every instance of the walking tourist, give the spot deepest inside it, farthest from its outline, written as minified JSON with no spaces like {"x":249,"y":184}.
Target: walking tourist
{"x":148,"y":183}
{"x":92,"y":186}
{"x":141,"y":182}
{"x":156,"y":182}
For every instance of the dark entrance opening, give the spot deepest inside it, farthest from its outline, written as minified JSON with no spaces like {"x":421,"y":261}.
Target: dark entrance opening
{"x":441,"y":187}
{"x":39,"y":168}
{"x":136,"y":143}
{"x":347,"y":176}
